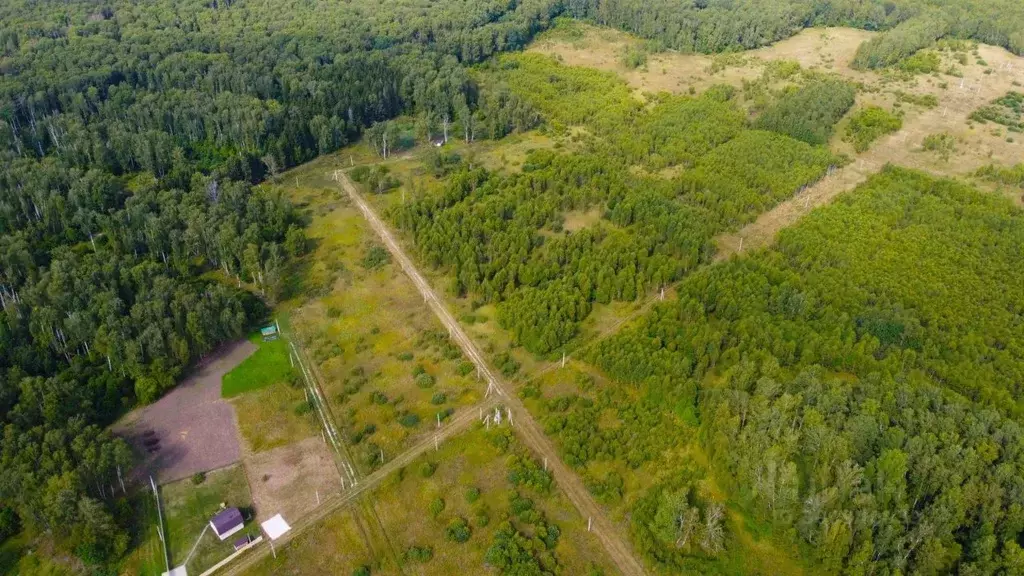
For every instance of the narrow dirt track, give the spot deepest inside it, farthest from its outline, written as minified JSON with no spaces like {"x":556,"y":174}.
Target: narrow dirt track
{"x":339,"y":500}
{"x":527,"y":428}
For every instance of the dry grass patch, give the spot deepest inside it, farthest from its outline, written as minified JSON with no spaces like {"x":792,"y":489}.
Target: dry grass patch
{"x":287,"y":480}
{"x":472,"y":480}
{"x":268,"y":418}
{"x":370,"y":334}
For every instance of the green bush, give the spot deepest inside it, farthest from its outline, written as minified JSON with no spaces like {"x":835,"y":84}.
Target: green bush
{"x":409,"y":420}
{"x":869,"y":124}
{"x":198,"y":478}
{"x":421,"y":554}
{"x":376,"y":256}
{"x":361,"y":571}
{"x":438,"y":398}
{"x":427,"y":469}
{"x":436,"y":506}
{"x":458,"y":530}
{"x":425,"y":380}
{"x":923,"y":62}
{"x":472,"y":494}
{"x":465,"y":368}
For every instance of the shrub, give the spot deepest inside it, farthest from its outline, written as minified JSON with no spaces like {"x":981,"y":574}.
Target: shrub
{"x":472,"y":494}
{"x":465,"y":368}
{"x":482,"y":519}
{"x":378,"y":397}
{"x":869,"y":124}
{"x":436,"y":506}
{"x":409,"y":420}
{"x":458,"y":530}
{"x":361,"y":571}
{"x":923,"y":62}
{"x":421,"y":554}
{"x":198,"y":478}
{"x":405,"y":356}
{"x":376,"y":257}
{"x":507,"y":364}
{"x":303,"y":408}
{"x":439,"y":398}
{"x":427,"y":469}
{"x":425,"y":381}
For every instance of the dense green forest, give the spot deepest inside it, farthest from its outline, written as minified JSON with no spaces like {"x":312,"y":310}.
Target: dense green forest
{"x":723,"y":25}
{"x":501,"y":237}
{"x":131,"y":240}
{"x":857,"y":385}
{"x":134,"y":239}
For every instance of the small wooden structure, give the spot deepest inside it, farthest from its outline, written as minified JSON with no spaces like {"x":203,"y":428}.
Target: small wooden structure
{"x":269,"y":332}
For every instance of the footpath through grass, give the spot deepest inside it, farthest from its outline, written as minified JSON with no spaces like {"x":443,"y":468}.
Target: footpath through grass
{"x":268,"y":365}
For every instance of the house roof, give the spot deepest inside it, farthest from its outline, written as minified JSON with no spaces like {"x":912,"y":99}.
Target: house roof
{"x":226,"y":519}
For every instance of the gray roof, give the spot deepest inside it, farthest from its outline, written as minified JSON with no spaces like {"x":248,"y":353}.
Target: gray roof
{"x":226,"y":519}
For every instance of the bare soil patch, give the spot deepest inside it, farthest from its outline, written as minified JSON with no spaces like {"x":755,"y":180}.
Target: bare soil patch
{"x":285,"y":480}
{"x":191,"y":429}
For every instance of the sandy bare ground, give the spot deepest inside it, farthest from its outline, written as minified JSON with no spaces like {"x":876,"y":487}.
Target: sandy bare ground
{"x":191,"y":429}
{"x":286,"y":480}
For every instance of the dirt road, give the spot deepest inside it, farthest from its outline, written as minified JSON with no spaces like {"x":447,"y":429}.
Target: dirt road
{"x":528,"y":429}
{"x":339,"y":500}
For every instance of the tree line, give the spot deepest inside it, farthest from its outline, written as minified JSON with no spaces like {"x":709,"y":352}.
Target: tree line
{"x":132,"y":241}
{"x":711,"y":26}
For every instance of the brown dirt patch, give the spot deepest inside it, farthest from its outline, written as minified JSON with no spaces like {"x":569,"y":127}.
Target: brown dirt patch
{"x":285,"y":480}
{"x":191,"y":429}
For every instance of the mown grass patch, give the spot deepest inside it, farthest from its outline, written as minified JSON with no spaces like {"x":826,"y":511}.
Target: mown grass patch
{"x":268,"y":365}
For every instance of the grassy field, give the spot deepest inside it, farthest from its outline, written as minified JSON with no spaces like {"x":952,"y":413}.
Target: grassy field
{"x":274,"y":416}
{"x":147,"y":551}
{"x":187,"y":511}
{"x":472,"y":478}
{"x":268,"y":365}
{"x":341,"y":544}
{"x":388,"y":369}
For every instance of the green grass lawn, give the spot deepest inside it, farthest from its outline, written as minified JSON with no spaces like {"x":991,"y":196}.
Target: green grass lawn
{"x":269,"y":365}
{"x":146,"y":556}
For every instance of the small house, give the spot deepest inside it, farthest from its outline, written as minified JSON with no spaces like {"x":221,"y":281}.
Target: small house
{"x":226,"y":522}
{"x":242,"y":542}
{"x":437,"y":142}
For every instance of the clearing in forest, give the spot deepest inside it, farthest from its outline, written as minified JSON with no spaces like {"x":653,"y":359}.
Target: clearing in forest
{"x":191,"y":429}
{"x":388,"y":369}
{"x":480,"y":500}
{"x":929,"y":104}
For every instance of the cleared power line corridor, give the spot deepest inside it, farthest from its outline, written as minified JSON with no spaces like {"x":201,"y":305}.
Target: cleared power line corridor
{"x":524,"y":424}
